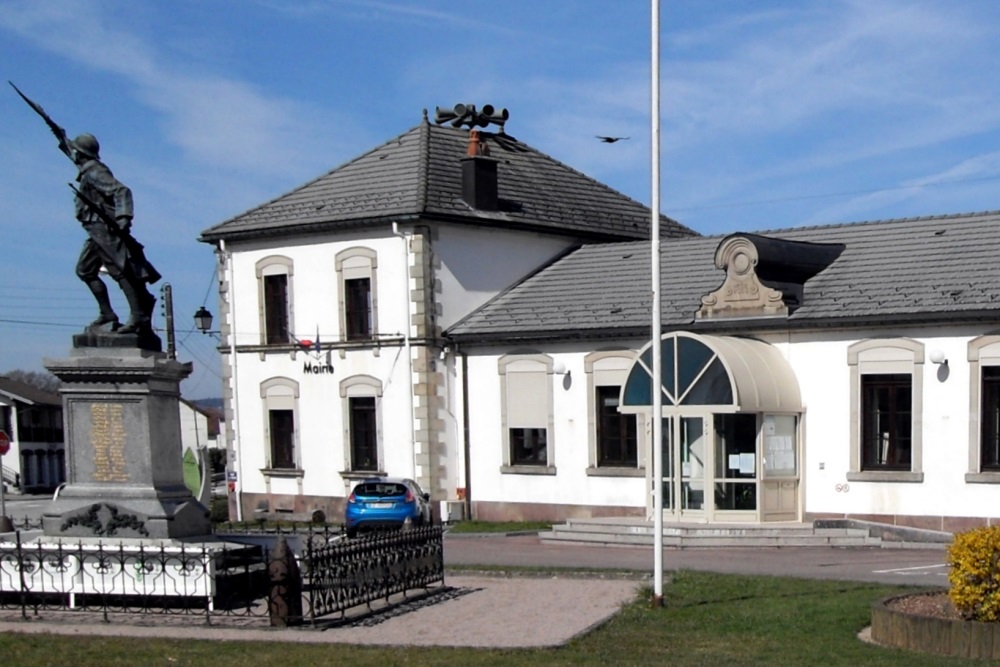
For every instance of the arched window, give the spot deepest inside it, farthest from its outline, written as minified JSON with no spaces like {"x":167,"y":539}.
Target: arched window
{"x":984,"y":410}
{"x":887,"y":383}
{"x":280,"y":397}
{"x":274,"y":287}
{"x":357,"y":289}
{"x":362,"y":396}
{"x":526,"y":413}
{"x":613,"y":435}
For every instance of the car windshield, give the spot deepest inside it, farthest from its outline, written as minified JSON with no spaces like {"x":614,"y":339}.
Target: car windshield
{"x":380,"y":489}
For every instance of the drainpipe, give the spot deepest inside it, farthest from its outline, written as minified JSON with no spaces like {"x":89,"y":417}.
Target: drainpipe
{"x":466,"y":449}
{"x":228,"y":258}
{"x":406,"y":345}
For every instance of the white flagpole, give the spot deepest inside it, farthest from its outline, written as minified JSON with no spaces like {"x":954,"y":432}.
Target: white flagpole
{"x":657,"y":380}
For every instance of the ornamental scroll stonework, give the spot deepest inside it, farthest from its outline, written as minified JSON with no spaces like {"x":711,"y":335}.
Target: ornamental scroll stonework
{"x":741,"y":294}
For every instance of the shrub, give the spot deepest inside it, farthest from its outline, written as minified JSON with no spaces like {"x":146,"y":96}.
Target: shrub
{"x":974,"y":558}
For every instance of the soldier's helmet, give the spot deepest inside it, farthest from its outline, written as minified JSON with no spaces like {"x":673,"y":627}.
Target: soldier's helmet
{"x":86,"y":144}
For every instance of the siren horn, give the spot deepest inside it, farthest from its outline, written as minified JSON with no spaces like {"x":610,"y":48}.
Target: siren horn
{"x":443,"y":115}
{"x":495,"y":116}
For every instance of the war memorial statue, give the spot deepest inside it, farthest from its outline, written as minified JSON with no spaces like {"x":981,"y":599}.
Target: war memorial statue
{"x":104,"y":208}
{"x":120,"y":390}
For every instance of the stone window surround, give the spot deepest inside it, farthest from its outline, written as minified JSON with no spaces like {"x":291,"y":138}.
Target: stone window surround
{"x":607,"y":377}
{"x":878,"y":356}
{"x":545,"y":363}
{"x":281,"y":393}
{"x":982,"y":351}
{"x":360,"y":262}
{"x":267,"y":266}
{"x":361,"y":385}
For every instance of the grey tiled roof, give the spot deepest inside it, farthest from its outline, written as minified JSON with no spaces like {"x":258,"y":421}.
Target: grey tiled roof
{"x":418,"y":174}
{"x":907,"y":270}
{"x":27,"y":393}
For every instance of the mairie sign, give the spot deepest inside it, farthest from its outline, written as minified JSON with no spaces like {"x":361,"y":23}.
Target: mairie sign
{"x":317,"y":368}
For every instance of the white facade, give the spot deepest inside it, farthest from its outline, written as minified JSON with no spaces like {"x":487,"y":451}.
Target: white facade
{"x":941,"y":491}
{"x":420,"y":281}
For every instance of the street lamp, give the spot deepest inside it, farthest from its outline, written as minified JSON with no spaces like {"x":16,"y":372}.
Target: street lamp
{"x":203,"y":321}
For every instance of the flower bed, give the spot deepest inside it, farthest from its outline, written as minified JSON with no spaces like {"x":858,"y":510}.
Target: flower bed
{"x":927,"y":622}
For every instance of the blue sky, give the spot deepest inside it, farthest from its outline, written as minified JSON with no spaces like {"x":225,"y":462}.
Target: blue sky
{"x":774,"y":114}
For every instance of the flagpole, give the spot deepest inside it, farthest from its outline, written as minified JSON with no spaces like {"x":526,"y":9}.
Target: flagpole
{"x":657,"y":379}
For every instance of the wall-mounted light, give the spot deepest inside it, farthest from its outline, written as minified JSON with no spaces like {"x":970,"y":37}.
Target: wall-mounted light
{"x":559,"y":368}
{"x":937,"y":357}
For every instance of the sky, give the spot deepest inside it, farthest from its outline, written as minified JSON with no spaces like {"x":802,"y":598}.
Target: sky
{"x":773,"y":114}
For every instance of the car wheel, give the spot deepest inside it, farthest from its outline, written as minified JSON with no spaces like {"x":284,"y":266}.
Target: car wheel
{"x":352,"y":532}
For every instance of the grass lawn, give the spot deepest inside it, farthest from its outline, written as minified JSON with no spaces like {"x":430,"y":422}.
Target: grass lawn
{"x":708,"y":620}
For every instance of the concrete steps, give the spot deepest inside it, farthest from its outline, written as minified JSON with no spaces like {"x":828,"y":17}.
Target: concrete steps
{"x":828,"y":533}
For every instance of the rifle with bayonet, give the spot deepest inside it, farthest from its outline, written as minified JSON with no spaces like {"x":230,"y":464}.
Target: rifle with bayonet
{"x":134,"y":250}
{"x":64,"y":142}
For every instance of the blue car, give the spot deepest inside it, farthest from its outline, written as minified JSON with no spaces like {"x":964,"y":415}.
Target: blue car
{"x":386,"y":502}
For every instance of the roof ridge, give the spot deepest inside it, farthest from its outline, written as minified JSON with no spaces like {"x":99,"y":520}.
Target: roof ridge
{"x":882,"y":221}
{"x":312,"y":181}
{"x":423,"y":165}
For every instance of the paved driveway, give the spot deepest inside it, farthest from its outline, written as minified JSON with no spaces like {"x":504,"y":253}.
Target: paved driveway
{"x":923,"y":567}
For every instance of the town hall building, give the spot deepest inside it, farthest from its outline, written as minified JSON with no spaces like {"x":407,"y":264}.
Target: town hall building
{"x":459,"y":308}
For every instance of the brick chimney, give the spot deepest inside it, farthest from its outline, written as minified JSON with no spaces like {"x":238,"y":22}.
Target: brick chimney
{"x":479,"y":175}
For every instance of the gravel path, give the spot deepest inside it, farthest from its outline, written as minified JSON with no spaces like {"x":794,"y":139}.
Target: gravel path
{"x":471,"y":611}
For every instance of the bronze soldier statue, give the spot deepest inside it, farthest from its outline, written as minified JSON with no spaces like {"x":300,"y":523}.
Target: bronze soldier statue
{"x":104,"y":208}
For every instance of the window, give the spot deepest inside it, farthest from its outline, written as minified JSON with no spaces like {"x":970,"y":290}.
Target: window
{"x":362,"y":440}
{"x":526,"y":413}
{"x":886,"y":410}
{"x":887,"y":422}
{"x":274,"y":276}
{"x":984,"y":410}
{"x":358,"y":308}
{"x":617,"y":439}
{"x":280,"y":403}
{"x":6,"y":423}
{"x":276,"y":309}
{"x":358,"y":301}
{"x":364,"y":443}
{"x":989,"y":455}
{"x":528,"y":446}
{"x":282,"y":429}
{"x":613,"y":435}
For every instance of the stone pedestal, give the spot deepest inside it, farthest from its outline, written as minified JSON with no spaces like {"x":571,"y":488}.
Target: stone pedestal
{"x":123,"y":444}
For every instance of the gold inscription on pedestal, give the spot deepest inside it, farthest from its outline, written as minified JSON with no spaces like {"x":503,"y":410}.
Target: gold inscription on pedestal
{"x":107,"y":437}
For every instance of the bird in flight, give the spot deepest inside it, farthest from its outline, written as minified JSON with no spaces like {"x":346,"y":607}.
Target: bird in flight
{"x":611,"y":140}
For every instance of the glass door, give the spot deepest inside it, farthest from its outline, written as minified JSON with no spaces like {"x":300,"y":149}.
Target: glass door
{"x":735,"y":462}
{"x":683,"y":486}
{"x":691,"y":439}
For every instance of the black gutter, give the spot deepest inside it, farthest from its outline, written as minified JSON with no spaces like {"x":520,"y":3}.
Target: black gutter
{"x":737,"y":326}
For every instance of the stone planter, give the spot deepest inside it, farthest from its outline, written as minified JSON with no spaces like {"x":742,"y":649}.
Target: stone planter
{"x":941,"y":636}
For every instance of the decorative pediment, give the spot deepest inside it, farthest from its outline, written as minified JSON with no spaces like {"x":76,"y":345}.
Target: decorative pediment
{"x":742,"y":294}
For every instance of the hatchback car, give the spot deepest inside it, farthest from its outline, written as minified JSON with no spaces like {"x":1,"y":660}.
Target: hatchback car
{"x":386,"y":502}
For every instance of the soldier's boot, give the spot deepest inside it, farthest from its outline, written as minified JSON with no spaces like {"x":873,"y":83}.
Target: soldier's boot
{"x":107,"y":313}
{"x":139,"y":318}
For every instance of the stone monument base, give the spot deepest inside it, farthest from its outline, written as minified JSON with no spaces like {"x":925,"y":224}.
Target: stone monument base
{"x":133,"y":516}
{"x":124,"y":450}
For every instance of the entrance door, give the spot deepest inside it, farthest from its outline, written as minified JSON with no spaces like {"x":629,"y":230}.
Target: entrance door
{"x":685,"y":441}
{"x":735,"y":482}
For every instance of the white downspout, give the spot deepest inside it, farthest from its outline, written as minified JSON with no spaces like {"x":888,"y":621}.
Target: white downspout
{"x":406,"y":345}
{"x":228,"y":258}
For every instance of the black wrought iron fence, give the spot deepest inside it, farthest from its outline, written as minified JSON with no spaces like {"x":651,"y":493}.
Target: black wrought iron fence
{"x":216,"y":580}
{"x":344,"y":574}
